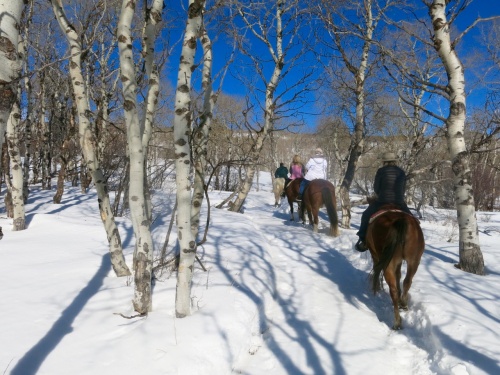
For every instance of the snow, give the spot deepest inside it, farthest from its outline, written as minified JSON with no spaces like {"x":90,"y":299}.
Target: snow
{"x":276,"y":298}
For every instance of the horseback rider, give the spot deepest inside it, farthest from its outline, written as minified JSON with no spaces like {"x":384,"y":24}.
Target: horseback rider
{"x":316,"y":168}
{"x":281,"y":172}
{"x":389,"y":187}
{"x":296,"y":168}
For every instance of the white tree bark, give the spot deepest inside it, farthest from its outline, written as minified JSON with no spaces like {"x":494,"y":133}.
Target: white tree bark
{"x":27,"y":86}
{"x":137,"y":140}
{"x":200,"y":135}
{"x":471,"y":258}
{"x":87,"y":142}
{"x":10,"y":11}
{"x":182,"y":130}
{"x":12,"y":131}
{"x":149,"y":37}
{"x":16,"y":168}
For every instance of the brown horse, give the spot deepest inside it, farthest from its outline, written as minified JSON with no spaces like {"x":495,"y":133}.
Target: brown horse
{"x":321,"y":193}
{"x":394,"y":236}
{"x":292,"y":192}
{"x":318,"y":193}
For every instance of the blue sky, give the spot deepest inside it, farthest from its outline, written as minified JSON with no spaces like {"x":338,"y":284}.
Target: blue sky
{"x":478,"y":8}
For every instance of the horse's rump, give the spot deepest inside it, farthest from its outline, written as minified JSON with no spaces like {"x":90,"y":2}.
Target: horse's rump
{"x":320,"y":193}
{"x":394,"y":236}
{"x":278,"y":189}
{"x":279,"y":184}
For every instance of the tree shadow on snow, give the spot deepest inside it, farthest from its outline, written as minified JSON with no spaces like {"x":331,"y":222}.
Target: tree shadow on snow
{"x":72,"y":200}
{"x":263,"y":272}
{"x":467,"y":354}
{"x":30,"y":363}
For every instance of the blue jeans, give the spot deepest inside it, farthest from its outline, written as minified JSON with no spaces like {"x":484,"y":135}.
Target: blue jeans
{"x":303,"y":185}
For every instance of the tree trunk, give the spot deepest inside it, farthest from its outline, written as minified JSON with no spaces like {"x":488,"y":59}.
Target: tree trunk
{"x":45,"y":156}
{"x":9,"y":207}
{"x":182,"y":130}
{"x":29,"y":107}
{"x":9,"y":67}
{"x":357,"y":139}
{"x":149,"y":37}
{"x":244,"y":189}
{"x":87,"y":143}
{"x":60,"y":181}
{"x":269,"y":114}
{"x":137,"y":141}
{"x":16,"y":188}
{"x":471,"y":258}
{"x":200,"y":138}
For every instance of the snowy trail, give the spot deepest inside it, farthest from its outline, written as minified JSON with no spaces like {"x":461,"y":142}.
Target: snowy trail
{"x":276,"y":299}
{"x":307,"y":335}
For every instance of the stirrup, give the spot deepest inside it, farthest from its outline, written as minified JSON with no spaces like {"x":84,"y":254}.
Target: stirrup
{"x":360,"y":246}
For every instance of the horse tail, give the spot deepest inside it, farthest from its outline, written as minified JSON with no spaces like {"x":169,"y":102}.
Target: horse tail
{"x":395,"y":238}
{"x":331,"y":209}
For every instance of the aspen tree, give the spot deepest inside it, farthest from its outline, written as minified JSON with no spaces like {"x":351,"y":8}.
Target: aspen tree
{"x":87,"y":141}
{"x":358,"y":63}
{"x":277,"y":53}
{"x":12,"y":134}
{"x":182,"y":132}
{"x":200,"y":135}
{"x":138,"y":135}
{"x":9,"y":66}
{"x":471,"y":258}
{"x":16,"y":188}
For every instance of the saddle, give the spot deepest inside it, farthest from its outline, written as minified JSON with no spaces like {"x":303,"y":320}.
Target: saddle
{"x":383,"y":211}
{"x":288,"y":182}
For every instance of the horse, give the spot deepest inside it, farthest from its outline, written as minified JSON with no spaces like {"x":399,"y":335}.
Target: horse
{"x":394,"y":236}
{"x":292,"y":192}
{"x":278,"y":188}
{"x":317,"y":194}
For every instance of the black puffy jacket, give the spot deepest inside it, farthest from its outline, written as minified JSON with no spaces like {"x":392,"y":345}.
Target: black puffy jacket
{"x":390,"y":185}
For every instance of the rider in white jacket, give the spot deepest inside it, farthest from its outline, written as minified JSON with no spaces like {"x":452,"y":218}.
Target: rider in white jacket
{"x":316,"y":168}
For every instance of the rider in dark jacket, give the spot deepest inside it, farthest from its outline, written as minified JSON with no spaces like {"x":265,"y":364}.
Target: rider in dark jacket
{"x":389,"y":186}
{"x":281,"y":172}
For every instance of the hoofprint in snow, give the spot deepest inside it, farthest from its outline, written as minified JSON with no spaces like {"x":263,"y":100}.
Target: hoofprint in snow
{"x":276,"y":298}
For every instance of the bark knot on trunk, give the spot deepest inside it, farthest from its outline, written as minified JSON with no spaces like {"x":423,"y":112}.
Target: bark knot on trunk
{"x":8,"y":48}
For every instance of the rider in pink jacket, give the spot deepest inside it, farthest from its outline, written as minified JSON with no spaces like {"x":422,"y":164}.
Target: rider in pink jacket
{"x":296,"y":168}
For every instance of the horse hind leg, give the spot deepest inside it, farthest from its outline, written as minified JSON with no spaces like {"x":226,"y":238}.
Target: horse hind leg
{"x":314,"y":220}
{"x":402,"y":304}
{"x":390,"y":279}
{"x":291,"y":211}
{"x":410,"y":272}
{"x":301,"y":208}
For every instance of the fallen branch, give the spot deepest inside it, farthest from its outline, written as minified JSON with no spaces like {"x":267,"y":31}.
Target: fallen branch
{"x":131,"y":316}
